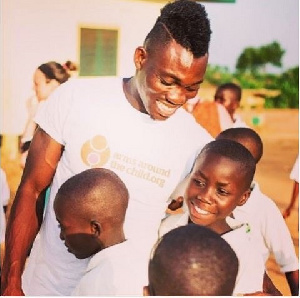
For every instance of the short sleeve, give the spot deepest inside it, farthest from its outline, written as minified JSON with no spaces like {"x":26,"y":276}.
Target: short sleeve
{"x":53,"y":113}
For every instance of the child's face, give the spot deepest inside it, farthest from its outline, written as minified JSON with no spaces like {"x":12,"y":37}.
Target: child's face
{"x":77,"y":233}
{"x":229,"y":100}
{"x":216,"y":187}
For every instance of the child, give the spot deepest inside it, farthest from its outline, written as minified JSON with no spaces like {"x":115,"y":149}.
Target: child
{"x":192,"y":261}
{"x":294,"y":175}
{"x":270,"y":231}
{"x":229,"y":95}
{"x":219,"y":182}
{"x":90,"y":208}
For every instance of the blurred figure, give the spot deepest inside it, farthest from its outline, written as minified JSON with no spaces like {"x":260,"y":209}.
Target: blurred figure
{"x":4,"y":198}
{"x":47,"y":77}
{"x":229,"y":95}
{"x":210,"y":115}
{"x":294,"y":175}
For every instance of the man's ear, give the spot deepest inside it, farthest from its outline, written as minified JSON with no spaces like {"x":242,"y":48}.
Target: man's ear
{"x":140,"y":56}
{"x":146,"y":291}
{"x":95,"y":228}
{"x":244,"y":197}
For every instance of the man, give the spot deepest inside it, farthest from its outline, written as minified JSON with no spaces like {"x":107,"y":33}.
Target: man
{"x":133,"y":126}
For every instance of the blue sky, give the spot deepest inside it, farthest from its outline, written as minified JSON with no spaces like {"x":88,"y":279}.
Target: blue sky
{"x":253,"y":23}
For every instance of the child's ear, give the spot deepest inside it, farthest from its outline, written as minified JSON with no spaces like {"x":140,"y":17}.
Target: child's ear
{"x":95,"y":228}
{"x":244,"y":197}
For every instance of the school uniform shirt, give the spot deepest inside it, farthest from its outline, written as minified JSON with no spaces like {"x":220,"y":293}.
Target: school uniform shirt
{"x":251,"y":267}
{"x":269,"y":229}
{"x":98,"y":127}
{"x":118,"y":270}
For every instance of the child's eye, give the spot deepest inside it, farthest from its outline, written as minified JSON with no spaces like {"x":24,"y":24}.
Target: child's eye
{"x":222,"y":192}
{"x":199,"y":182}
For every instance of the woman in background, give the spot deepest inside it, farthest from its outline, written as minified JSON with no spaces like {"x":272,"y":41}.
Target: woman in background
{"x":47,"y":77}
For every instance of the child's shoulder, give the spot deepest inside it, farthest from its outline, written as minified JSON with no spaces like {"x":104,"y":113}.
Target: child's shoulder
{"x":173,"y":221}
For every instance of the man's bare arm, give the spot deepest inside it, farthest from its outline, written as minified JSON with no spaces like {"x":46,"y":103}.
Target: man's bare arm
{"x":27,"y":209}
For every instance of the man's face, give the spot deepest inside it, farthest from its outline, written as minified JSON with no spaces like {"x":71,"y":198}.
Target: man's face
{"x":166,"y":79}
{"x":216,"y":187}
{"x":76,"y":232}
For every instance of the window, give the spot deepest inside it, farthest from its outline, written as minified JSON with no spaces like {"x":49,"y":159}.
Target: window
{"x":98,"y":52}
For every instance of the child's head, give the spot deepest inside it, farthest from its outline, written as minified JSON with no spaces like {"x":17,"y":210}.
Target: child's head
{"x":247,"y":137}
{"x":192,"y":261}
{"x":90,"y":208}
{"x":219,"y":182}
{"x":229,"y":95}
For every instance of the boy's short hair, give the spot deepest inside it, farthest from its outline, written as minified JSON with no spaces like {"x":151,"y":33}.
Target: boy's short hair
{"x":247,"y":137}
{"x":229,"y":86}
{"x":237,"y":153}
{"x":192,"y":260}
{"x":95,"y":192}
{"x":184,"y":21}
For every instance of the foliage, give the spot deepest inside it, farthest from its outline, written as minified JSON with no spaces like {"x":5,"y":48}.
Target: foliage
{"x":254,"y":60}
{"x":251,"y":74}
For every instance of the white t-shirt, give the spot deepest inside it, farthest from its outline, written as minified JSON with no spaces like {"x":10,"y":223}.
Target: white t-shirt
{"x":97,"y":126}
{"x":251,"y":267}
{"x":118,"y":270}
{"x":269,"y":229}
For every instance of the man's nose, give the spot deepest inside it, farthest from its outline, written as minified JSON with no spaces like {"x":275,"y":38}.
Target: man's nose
{"x":177,"y":96}
{"x":207,"y":196}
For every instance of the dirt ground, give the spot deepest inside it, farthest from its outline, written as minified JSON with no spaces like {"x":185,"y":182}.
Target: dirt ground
{"x":279,"y":130}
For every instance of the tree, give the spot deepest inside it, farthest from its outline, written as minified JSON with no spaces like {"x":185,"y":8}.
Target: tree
{"x":255,"y":59}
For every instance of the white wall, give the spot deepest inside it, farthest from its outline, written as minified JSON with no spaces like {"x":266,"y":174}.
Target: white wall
{"x":37,"y":31}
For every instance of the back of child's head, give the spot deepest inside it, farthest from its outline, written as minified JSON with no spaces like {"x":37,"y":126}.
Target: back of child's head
{"x":229,"y":86}
{"x":235,"y":152}
{"x":95,"y":193}
{"x":247,"y":137}
{"x":192,"y":261}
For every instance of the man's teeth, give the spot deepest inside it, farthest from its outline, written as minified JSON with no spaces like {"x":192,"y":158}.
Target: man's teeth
{"x":165,"y":109}
{"x":201,"y":211}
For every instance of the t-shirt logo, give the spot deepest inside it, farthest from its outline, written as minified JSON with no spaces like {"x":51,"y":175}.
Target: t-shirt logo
{"x":95,"y":152}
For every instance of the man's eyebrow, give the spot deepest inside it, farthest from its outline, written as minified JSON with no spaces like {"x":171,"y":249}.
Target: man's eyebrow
{"x":177,"y":80}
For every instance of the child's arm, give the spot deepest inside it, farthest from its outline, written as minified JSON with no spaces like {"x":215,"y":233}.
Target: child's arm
{"x":269,"y":287}
{"x":293,"y":281}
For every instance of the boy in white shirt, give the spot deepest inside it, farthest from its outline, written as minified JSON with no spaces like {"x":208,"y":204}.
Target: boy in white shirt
{"x":219,"y":182}
{"x":90,"y":208}
{"x":270,"y":231}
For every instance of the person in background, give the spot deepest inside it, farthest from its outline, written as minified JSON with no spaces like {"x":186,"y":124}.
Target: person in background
{"x":294,"y":175}
{"x":192,"y":260}
{"x":211,"y":115}
{"x":269,"y":230}
{"x":47,"y":77}
{"x":133,"y":126}
{"x":229,"y":95}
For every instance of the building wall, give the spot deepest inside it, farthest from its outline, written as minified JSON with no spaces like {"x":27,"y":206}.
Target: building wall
{"x":35,"y":31}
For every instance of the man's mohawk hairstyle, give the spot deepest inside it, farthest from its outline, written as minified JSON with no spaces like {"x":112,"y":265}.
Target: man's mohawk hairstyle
{"x":187,"y":23}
